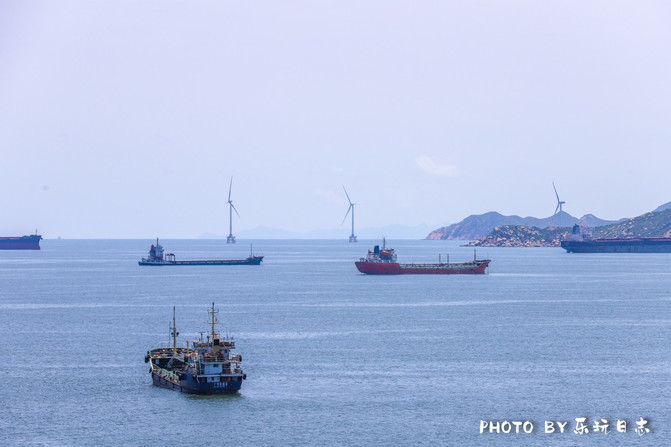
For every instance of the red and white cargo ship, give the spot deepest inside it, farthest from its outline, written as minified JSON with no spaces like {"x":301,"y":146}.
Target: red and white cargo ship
{"x":382,"y":261}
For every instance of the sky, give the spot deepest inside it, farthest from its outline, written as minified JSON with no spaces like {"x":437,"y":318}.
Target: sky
{"x":129,"y":118}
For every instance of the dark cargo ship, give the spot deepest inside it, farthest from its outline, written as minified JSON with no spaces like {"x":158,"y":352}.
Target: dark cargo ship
{"x":206,"y":367}
{"x":382,"y":261}
{"x":581,"y":241}
{"x":31,"y":242}
{"x":156,"y":257}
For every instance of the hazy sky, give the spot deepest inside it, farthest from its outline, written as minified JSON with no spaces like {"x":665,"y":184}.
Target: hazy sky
{"x":128,"y":118}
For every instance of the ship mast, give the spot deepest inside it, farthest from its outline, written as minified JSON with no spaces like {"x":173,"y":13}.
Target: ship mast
{"x":216,"y":348}
{"x":213,"y":320}
{"x":174,"y":333}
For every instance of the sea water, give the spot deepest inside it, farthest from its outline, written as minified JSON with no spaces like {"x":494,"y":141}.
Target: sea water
{"x":334,"y":357}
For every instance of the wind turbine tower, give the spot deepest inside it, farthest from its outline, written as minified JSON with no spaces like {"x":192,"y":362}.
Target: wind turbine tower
{"x":559,"y":204}
{"x":352,"y":237}
{"x":230,"y":239}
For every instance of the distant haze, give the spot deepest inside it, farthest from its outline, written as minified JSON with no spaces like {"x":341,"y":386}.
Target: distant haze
{"x":128,"y":118}
{"x":389,"y":231}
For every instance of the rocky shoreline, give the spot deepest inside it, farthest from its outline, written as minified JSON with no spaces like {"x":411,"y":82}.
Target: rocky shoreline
{"x":653,"y":224}
{"x":522,"y":236}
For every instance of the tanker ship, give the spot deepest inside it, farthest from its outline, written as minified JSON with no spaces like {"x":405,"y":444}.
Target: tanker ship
{"x":31,"y":242}
{"x":157,"y":257}
{"x":581,"y":241}
{"x":382,"y":261}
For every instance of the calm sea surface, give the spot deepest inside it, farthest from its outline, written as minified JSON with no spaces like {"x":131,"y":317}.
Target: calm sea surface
{"x":334,"y":357}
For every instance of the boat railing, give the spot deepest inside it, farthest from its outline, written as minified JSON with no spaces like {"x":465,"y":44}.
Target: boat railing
{"x":170,"y":345}
{"x":433,"y":266}
{"x":208,"y":360}
{"x":224,"y":372}
{"x":443,"y":265}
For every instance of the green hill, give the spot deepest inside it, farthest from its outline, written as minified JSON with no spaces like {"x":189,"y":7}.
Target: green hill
{"x":653,"y":224}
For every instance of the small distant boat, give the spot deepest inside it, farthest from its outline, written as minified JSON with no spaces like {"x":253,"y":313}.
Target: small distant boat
{"x":581,"y":241}
{"x":31,"y":242}
{"x":382,"y":261}
{"x":156,"y":257}
{"x":205,"y":367}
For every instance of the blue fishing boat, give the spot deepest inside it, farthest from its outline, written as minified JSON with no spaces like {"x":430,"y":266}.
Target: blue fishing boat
{"x":204,"y":366}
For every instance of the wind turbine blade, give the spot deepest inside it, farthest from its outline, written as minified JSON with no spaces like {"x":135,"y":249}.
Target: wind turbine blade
{"x":346,"y":214}
{"x":558,"y":206}
{"x":556,"y":193}
{"x":236,"y":211}
{"x":348,"y":199}
{"x":229,"y":190}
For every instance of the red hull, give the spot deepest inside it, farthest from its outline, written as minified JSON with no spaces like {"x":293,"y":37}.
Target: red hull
{"x":394,"y":268}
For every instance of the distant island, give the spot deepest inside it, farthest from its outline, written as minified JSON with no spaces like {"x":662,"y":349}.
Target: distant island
{"x":478,"y":226}
{"x":521,"y":236}
{"x":495,"y":230}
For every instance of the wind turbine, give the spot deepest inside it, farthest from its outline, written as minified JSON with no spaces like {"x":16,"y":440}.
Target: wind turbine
{"x":230,"y":239}
{"x":352,"y":238}
{"x":559,"y":204}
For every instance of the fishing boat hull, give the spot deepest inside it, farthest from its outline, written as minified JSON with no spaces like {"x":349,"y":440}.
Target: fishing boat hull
{"x":190,"y":386}
{"x":477,"y":267}
{"x":214,"y":378}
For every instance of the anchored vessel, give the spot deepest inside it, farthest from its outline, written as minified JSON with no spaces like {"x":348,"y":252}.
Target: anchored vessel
{"x":382,"y":261}
{"x":31,"y":242}
{"x":156,"y":257}
{"x":206,"y":367}
{"x":580,"y":241}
